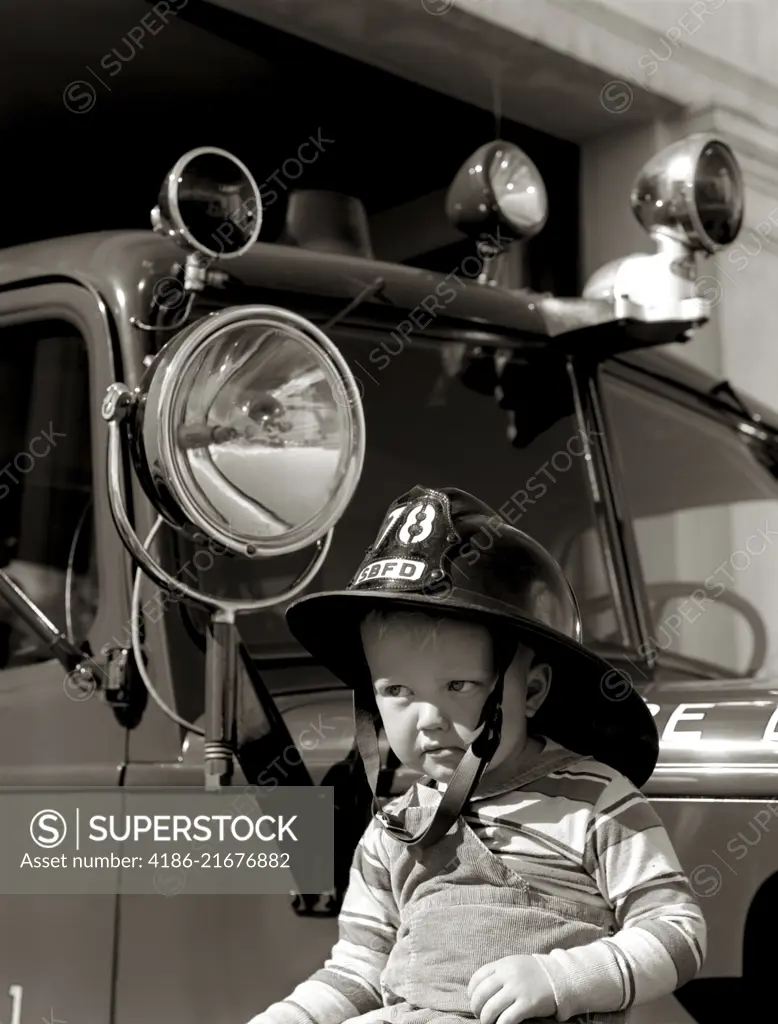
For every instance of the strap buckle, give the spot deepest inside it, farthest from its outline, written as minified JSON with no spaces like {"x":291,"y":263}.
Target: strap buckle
{"x":389,"y":821}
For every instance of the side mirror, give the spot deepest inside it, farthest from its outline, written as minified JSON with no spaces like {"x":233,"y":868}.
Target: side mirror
{"x":210,"y":206}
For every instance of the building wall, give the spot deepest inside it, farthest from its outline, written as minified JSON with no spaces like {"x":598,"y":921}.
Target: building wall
{"x":742,"y":33}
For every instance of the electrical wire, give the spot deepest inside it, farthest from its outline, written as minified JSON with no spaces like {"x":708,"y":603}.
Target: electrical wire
{"x":135,"y":620}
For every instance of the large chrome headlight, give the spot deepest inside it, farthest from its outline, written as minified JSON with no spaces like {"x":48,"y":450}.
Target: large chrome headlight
{"x":249,"y":429}
{"x":691,"y":192}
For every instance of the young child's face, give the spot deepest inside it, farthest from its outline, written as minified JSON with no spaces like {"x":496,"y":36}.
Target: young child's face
{"x":431,"y":678}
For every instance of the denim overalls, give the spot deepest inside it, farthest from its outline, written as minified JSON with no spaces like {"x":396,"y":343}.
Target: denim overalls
{"x":461,"y":907}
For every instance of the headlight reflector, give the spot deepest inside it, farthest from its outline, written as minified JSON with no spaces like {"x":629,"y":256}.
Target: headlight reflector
{"x":251,"y":431}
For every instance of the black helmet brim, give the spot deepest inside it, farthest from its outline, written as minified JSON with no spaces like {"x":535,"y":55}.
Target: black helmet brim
{"x":592,"y":708}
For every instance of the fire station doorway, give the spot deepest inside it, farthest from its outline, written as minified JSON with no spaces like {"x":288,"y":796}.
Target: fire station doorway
{"x":299,"y":115}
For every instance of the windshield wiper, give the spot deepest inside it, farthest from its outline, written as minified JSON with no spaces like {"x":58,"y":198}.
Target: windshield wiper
{"x":724,"y":388}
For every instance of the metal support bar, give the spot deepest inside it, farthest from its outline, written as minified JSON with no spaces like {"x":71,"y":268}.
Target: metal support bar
{"x":220,"y":697}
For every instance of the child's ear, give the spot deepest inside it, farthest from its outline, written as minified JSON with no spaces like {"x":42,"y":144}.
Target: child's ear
{"x":538,"y":685}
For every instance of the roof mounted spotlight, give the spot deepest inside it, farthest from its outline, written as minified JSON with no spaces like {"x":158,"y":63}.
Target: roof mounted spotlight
{"x":497,"y":197}
{"x":691,"y":193}
{"x":689,"y":200}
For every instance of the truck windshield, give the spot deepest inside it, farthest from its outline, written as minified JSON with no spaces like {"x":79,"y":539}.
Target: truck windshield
{"x":424,"y":426}
{"x":705,"y":510}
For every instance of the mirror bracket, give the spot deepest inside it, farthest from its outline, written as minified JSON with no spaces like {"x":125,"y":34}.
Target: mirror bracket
{"x":197,"y":277}
{"x":489,"y":255}
{"x":118,"y":403}
{"x":198,"y":273}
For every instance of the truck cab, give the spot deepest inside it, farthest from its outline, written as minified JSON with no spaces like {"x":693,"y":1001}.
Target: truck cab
{"x":652,"y":484}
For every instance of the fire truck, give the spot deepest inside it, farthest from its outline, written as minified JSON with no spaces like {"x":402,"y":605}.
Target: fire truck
{"x":197,"y":427}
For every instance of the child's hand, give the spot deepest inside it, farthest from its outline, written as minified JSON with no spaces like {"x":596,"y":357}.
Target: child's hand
{"x":511,"y":990}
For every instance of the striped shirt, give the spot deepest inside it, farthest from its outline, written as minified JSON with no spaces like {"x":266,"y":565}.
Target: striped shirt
{"x":583,"y":833}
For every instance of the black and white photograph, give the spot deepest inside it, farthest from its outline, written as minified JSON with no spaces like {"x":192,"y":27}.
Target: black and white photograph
{"x":388,"y":511}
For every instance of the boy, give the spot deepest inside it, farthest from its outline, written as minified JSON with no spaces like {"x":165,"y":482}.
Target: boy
{"x":543,"y":887}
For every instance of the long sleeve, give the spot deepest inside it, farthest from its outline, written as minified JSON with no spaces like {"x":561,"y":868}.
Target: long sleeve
{"x":349,"y":983}
{"x":661,"y":941}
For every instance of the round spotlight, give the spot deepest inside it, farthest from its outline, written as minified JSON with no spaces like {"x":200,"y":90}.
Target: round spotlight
{"x":249,"y":429}
{"x":498,"y":190}
{"x":691,"y":192}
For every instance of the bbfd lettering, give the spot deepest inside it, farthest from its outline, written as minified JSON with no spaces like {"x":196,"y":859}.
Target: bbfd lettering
{"x":392,"y":568}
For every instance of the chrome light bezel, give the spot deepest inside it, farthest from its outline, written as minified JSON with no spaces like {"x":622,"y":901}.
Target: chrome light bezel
{"x":473,"y":204}
{"x":168,"y":220}
{"x":670,"y":178}
{"x":163,"y":391}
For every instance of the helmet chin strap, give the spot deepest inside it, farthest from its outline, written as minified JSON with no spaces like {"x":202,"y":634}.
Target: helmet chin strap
{"x":467,"y":774}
